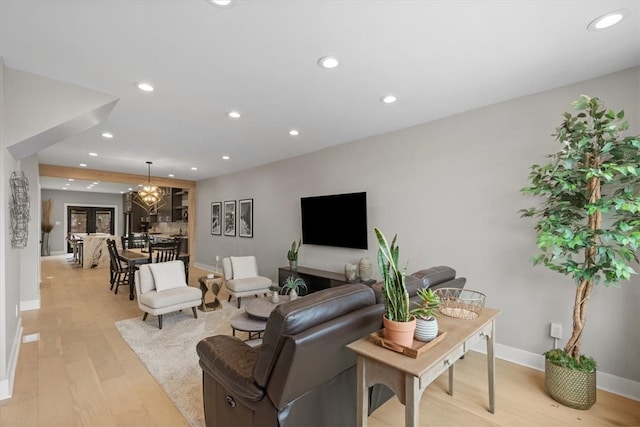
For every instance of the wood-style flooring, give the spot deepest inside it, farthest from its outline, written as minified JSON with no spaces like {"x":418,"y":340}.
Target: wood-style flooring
{"x":77,"y":371}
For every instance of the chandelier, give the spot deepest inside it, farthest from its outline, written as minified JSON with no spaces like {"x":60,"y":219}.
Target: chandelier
{"x":149,"y":196}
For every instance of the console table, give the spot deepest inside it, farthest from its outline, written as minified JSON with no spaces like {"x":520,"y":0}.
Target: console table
{"x":408,"y":378}
{"x":315,"y":280}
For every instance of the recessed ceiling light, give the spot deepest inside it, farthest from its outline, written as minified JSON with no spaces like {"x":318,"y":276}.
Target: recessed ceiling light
{"x":144,"y":86}
{"x":328,"y":62}
{"x":388,"y":99}
{"x":93,"y":154}
{"x":107,"y":135}
{"x":68,"y":183}
{"x":96,"y":183}
{"x":71,"y":179}
{"x":122,"y":192}
{"x":225,"y":157}
{"x":83,"y":165}
{"x":233,"y":114}
{"x":608,"y":20}
{"x":129,"y":189}
{"x":221,"y":3}
{"x":171,"y":175}
{"x":64,"y":188}
{"x":294,"y":132}
{"x":194,"y":168}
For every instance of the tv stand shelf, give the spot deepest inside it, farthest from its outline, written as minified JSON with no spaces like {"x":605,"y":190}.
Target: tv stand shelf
{"x":315,"y":280}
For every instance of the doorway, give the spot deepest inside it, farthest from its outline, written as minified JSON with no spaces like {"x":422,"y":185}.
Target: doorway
{"x":90,"y":219}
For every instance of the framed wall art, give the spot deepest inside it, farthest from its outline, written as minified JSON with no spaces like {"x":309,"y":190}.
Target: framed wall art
{"x":245,"y":220}
{"x":230,"y":218}
{"x":216,"y":218}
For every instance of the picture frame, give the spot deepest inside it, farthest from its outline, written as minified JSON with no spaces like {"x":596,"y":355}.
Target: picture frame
{"x":245,"y":218}
{"x":230,"y":218}
{"x":216,"y":218}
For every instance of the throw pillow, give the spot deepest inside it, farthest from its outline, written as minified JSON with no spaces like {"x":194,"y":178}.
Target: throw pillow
{"x":243,"y":267}
{"x":168,"y":275}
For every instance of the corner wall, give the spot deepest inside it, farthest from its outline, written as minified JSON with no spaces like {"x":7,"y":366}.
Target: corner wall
{"x":450,"y":190}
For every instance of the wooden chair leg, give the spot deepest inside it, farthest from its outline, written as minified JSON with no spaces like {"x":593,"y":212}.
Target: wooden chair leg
{"x":195,"y":312}
{"x":160,"y":321}
{"x":238,"y":302}
{"x":145,"y":317}
{"x":229,"y":300}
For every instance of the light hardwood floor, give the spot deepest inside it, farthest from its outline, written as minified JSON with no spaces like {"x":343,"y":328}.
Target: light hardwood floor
{"x":81,"y":373}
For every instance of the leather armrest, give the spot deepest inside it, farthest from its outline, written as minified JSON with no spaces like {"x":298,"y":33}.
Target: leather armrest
{"x":230,"y":362}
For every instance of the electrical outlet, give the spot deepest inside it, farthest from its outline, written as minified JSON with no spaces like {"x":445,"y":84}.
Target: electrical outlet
{"x":556,"y":330}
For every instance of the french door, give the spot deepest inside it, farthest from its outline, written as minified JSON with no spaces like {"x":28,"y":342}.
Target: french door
{"x":89,"y":219}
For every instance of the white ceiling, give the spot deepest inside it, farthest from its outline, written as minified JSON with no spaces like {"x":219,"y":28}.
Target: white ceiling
{"x":260,"y":57}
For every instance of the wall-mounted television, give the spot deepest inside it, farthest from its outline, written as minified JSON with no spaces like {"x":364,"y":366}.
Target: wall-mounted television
{"x":335,"y":220}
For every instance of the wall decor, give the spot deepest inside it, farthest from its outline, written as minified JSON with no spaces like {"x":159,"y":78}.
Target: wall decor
{"x":216,"y":218}
{"x":19,"y":210}
{"x":245,"y":222}
{"x":230,"y":218}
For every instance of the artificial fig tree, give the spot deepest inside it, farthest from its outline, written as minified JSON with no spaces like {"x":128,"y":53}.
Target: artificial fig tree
{"x":588,"y":222}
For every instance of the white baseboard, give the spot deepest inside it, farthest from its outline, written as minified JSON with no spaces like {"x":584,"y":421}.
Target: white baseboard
{"x":33,"y":304}
{"x":607,"y":382}
{"x":6,"y":385}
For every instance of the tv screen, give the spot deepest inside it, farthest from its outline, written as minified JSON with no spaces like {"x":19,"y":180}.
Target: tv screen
{"x":336,"y":220}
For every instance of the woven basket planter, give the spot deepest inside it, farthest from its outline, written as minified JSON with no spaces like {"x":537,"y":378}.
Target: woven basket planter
{"x":574,"y":389}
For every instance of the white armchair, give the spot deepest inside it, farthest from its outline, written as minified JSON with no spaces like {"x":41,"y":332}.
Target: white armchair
{"x":161,"y":288}
{"x":241,"y":277}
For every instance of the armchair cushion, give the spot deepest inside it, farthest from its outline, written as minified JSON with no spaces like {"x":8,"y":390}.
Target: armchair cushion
{"x":170,"y":297}
{"x":168,"y":275}
{"x":257,"y":283}
{"x":244,"y":267}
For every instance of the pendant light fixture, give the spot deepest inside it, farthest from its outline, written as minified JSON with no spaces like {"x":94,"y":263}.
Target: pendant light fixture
{"x":150,"y":195}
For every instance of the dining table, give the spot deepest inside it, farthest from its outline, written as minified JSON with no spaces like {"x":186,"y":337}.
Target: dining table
{"x":138,"y":256}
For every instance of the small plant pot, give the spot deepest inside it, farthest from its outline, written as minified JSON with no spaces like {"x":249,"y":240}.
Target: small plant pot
{"x":293,"y":294}
{"x":426,"y":330}
{"x":399,"y":332}
{"x":575,"y":389}
{"x":293,"y":265}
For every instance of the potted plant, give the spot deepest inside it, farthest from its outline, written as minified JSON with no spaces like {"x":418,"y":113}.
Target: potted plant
{"x":425,"y":313}
{"x":398,"y":321}
{"x":46,"y":226}
{"x":292,"y":255}
{"x":292,"y":285}
{"x":588,"y":227}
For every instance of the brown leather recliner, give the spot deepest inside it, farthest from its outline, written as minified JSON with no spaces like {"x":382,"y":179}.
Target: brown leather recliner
{"x":302,"y":374}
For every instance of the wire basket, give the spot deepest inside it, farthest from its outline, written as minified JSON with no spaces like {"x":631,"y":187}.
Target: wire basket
{"x":460,"y":303}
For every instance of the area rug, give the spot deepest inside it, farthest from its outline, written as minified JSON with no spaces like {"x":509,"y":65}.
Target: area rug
{"x":169,"y":354}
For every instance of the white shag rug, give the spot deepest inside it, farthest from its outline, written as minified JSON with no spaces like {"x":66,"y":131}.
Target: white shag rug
{"x":169,"y":354}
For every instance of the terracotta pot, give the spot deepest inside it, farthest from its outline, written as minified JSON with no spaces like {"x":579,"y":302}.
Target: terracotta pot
{"x":399,"y":332}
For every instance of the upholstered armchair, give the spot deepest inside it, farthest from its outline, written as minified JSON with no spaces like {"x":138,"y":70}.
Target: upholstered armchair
{"x":303,"y":374}
{"x":161,"y":288}
{"x":241,"y":277}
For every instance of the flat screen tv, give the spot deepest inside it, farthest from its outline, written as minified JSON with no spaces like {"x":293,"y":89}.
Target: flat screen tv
{"x":335,"y":220}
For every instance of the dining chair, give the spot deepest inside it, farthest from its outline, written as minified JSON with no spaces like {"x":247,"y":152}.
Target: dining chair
{"x":164,"y":251}
{"x":118,"y":271}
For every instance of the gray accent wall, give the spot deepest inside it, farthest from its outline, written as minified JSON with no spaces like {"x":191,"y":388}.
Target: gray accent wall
{"x":450,"y":190}
{"x":61,"y":199}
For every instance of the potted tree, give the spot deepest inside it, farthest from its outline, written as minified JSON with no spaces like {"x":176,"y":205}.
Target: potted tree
{"x":588,"y":227}
{"x":46,"y":226}
{"x":292,"y":255}
{"x":425,"y":313}
{"x":398,"y":321}
{"x":292,"y":286}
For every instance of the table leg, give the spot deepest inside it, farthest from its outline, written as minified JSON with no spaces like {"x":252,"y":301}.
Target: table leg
{"x":132,"y":270}
{"x":491,"y":362}
{"x":362,"y":392}
{"x":412,"y":403}
{"x":451,"y":374}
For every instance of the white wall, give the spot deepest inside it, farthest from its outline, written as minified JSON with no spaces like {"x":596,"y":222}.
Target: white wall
{"x":450,"y":190}
{"x":10,"y":325}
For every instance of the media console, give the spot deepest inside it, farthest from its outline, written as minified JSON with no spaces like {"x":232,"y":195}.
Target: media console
{"x":315,"y":279}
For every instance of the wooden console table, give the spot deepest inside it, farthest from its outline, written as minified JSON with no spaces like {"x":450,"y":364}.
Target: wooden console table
{"x":315,"y":280}
{"x":408,"y":378}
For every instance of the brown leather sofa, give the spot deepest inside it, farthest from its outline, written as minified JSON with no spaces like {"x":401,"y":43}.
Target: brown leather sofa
{"x":302,"y":374}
